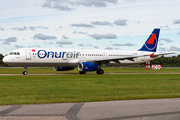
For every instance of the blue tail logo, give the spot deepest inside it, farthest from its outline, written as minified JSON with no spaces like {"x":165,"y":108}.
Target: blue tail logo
{"x":151,"y":43}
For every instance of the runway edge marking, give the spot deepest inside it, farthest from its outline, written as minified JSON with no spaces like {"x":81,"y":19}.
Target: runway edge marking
{"x":73,"y":111}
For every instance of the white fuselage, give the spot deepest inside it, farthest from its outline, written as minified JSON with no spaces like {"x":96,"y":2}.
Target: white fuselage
{"x":32,"y":57}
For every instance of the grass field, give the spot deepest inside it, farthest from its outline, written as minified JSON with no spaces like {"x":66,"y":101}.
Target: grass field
{"x":15,"y":70}
{"x":87,"y":88}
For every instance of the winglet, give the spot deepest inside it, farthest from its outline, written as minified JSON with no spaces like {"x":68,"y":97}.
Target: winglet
{"x":151,"y":44}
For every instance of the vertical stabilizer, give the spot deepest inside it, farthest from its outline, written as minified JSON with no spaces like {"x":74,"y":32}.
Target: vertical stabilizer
{"x":152,"y":42}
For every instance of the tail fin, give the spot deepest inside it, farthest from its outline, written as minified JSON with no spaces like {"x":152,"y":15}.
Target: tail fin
{"x":151,"y":44}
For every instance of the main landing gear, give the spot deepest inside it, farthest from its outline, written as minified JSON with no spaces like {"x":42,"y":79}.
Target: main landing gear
{"x":25,"y":70}
{"x":100,"y":72}
{"x":81,"y":72}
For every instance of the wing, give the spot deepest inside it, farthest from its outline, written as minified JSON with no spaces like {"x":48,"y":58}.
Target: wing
{"x":131,"y":58}
{"x":107,"y":60}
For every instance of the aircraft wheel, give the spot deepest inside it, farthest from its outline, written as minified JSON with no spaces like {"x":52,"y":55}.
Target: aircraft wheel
{"x":81,"y":72}
{"x":25,"y":70}
{"x":100,"y":71}
{"x":25,"y":73}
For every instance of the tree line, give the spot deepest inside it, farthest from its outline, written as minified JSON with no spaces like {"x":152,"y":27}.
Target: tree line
{"x":1,"y":62}
{"x":173,"y":61}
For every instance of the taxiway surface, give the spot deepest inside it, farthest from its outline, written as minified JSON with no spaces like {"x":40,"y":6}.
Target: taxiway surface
{"x":150,"y":109}
{"x":86,"y":73}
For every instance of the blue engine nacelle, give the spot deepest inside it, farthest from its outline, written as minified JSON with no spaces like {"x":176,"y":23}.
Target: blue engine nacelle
{"x":87,"y":66}
{"x":63,"y":68}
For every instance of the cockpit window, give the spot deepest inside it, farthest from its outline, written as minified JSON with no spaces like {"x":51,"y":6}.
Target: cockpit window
{"x":14,"y":53}
{"x":11,"y":53}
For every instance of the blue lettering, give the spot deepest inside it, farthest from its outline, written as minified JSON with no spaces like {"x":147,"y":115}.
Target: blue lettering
{"x":50,"y":53}
{"x":57,"y":56}
{"x":42,"y":54}
{"x":63,"y":54}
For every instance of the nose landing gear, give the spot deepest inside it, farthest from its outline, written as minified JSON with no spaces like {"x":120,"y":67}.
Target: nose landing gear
{"x":25,"y":70}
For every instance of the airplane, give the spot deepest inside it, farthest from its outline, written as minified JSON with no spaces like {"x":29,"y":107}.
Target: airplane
{"x":85,"y":60}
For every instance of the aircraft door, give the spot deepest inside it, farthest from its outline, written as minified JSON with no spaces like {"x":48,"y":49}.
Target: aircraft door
{"x":28,"y":54}
{"x":104,"y":55}
{"x":142,"y":58}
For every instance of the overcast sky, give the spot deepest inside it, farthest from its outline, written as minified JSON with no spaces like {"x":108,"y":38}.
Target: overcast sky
{"x":88,"y":24}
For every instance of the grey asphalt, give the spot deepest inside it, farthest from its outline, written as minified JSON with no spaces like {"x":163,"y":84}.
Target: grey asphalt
{"x":151,"y":109}
{"x":86,"y":73}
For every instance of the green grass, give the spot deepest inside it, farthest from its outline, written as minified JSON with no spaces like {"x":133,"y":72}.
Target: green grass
{"x":106,"y":70}
{"x":86,"y":88}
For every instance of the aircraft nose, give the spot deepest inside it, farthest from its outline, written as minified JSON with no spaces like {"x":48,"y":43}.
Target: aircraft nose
{"x":6,"y":59}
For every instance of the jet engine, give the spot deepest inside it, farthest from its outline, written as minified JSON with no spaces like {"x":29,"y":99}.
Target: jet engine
{"x":87,"y":66}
